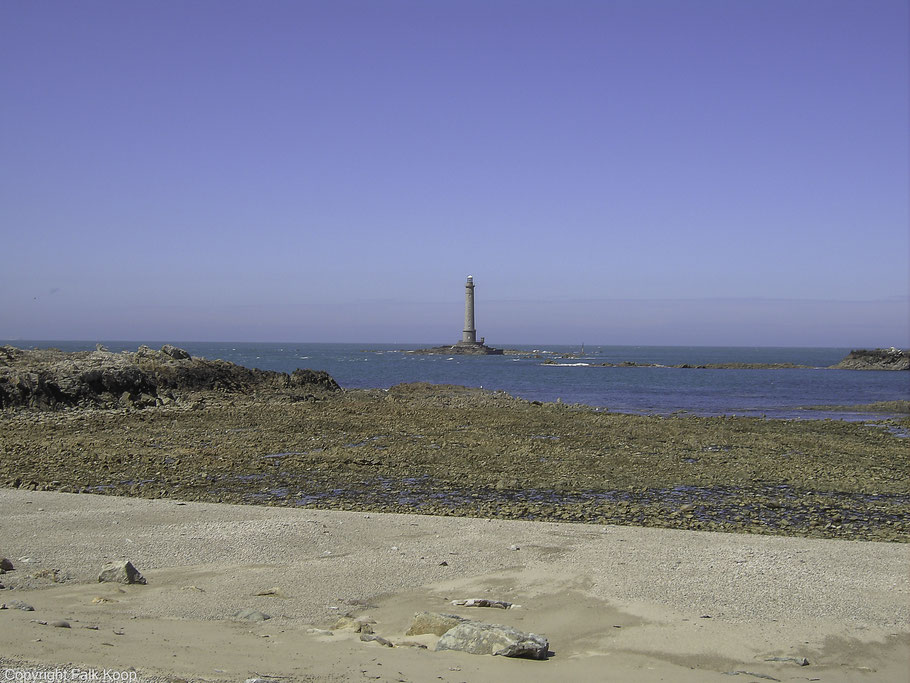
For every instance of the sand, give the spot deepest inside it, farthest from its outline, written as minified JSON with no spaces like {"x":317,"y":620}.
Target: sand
{"x":616,"y":603}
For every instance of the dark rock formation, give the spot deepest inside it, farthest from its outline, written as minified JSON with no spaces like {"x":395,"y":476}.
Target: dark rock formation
{"x":461,"y":349}
{"x":48,"y":378}
{"x":875,"y":359}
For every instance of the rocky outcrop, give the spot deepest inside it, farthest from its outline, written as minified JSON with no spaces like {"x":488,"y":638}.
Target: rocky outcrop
{"x":875,"y":359}
{"x":460,"y":349}
{"x":49,"y":378}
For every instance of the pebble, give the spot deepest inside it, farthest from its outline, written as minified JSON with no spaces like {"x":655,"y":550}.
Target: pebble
{"x":59,"y":623}
{"x":251,"y":615}
{"x":18,"y":604}
{"x":373,"y":638}
{"x":482,"y":602}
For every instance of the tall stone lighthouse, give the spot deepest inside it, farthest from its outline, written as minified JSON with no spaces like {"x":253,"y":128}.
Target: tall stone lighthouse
{"x":469,"y":343}
{"x":469,"y":335}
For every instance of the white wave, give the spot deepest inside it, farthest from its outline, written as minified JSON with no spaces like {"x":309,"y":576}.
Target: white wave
{"x":565,"y":365}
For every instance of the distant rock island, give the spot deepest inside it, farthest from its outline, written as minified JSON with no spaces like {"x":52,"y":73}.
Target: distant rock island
{"x":461,"y":349}
{"x":875,"y":359}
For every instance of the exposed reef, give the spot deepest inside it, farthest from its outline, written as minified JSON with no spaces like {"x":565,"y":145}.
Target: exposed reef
{"x":191,"y":429}
{"x":447,"y":450}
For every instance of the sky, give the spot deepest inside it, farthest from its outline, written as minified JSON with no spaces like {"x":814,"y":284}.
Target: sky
{"x":660,"y":172}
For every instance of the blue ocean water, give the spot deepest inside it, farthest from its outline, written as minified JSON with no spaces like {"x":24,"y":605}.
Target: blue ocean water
{"x":645,"y":390}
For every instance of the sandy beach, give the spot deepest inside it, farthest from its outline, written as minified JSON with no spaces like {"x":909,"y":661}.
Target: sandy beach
{"x":616,"y":603}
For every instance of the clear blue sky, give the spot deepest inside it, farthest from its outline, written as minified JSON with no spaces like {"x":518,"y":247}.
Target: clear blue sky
{"x":613,"y":172}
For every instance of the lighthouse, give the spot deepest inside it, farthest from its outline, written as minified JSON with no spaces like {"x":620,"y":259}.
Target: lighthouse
{"x":469,"y":335}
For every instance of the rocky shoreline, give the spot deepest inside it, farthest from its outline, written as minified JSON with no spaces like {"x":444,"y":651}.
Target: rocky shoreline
{"x":447,"y":450}
{"x":876,"y":359}
{"x":50,"y":378}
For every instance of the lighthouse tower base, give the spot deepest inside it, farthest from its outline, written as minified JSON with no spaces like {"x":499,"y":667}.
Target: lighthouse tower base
{"x":462,"y":348}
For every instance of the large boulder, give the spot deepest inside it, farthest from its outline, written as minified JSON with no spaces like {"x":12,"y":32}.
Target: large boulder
{"x":477,"y":638}
{"x":120,"y":572}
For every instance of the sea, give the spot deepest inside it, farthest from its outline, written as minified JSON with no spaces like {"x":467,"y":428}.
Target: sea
{"x":772,"y":393}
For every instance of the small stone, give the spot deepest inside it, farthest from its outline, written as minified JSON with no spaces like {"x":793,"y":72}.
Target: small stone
{"x":688,"y":507}
{"x":411,"y":643}
{"x":482,"y":602}
{"x":174,"y":352}
{"x":251,"y":615}
{"x":268,"y":592}
{"x":5,"y":564}
{"x":514,"y":547}
{"x":18,"y":604}
{"x":349,"y":623}
{"x":372,"y":638}
{"x":120,"y":572}
{"x":59,"y":623}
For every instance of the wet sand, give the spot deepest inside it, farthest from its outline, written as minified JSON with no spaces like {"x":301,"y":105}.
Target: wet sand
{"x":616,"y":603}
